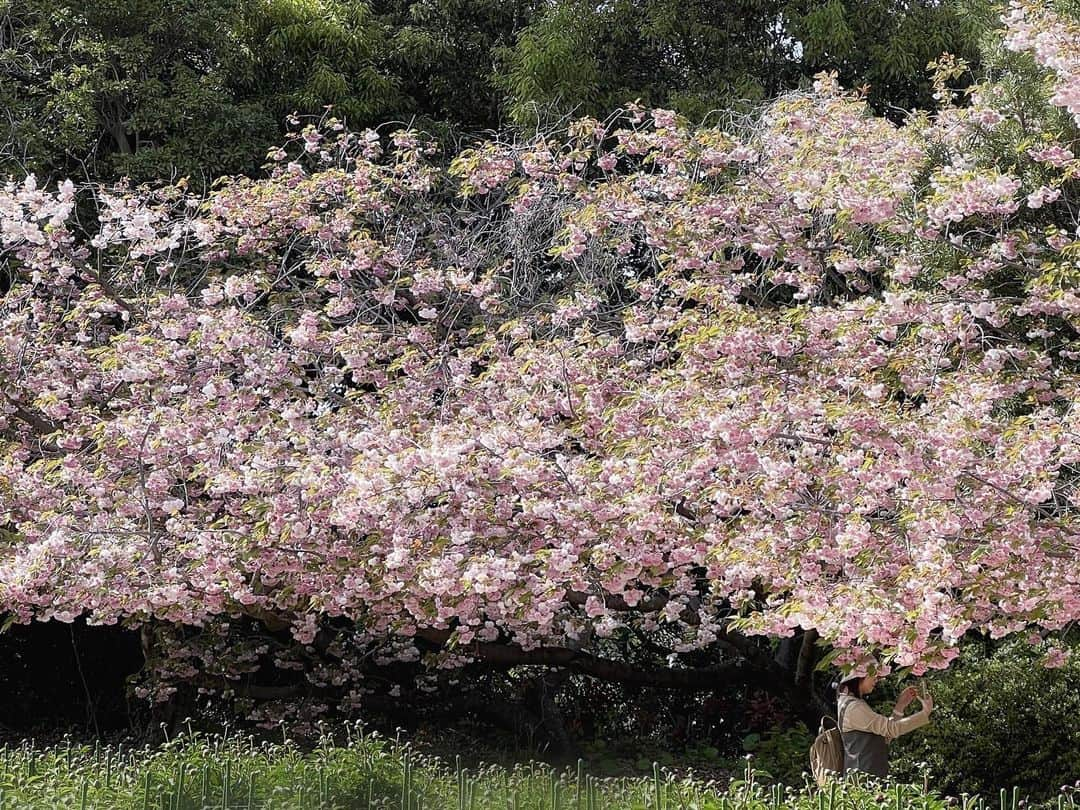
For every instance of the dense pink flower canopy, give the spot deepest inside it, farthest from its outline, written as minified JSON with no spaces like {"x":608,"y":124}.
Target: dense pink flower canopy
{"x":818,"y":372}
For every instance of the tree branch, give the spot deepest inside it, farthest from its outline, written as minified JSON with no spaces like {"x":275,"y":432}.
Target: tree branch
{"x":37,"y":421}
{"x":689,"y":614}
{"x":507,"y":655}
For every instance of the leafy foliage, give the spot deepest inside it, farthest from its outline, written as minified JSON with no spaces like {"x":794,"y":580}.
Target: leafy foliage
{"x":781,"y":753}
{"x":306,"y":54}
{"x":998,"y":714}
{"x":696,"y":57}
{"x":125,"y":87}
{"x":171,"y":88}
{"x":444,"y":52}
{"x":368,"y":770}
{"x":886,"y":45}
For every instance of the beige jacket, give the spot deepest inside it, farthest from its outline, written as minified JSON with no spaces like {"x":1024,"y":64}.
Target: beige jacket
{"x":860,"y":717}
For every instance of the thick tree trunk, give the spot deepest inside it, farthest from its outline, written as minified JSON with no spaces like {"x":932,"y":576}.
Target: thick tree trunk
{"x":785,"y":653}
{"x":755,"y":668}
{"x":804,"y":670}
{"x":552,"y":718}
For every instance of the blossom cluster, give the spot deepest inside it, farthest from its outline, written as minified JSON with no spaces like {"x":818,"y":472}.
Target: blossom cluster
{"x":818,"y":373}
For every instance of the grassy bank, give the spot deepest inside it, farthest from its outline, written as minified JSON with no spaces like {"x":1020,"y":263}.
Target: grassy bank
{"x":368,"y":771}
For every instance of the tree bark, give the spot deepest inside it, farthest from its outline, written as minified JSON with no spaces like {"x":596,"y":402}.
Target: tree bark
{"x":507,"y":655}
{"x":804,"y":669}
{"x":754,"y":667}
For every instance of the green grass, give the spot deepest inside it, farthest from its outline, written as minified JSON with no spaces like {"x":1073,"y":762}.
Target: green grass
{"x":367,"y":771}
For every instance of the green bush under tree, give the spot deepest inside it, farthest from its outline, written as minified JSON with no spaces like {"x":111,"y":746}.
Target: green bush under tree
{"x":999,"y":715}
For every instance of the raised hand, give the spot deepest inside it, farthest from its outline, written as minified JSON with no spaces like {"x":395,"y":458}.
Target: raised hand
{"x":904,"y":700}
{"x":927,"y":701}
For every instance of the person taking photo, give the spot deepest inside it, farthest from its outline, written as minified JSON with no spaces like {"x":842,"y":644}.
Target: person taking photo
{"x":866,"y":734}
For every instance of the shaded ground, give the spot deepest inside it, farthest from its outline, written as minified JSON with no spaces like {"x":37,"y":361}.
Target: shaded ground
{"x":71,"y":680}
{"x":66,"y":678}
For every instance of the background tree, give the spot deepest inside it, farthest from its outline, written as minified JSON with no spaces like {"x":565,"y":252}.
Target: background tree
{"x":587,"y":57}
{"x":887,"y":44}
{"x":444,"y":51}
{"x":694,"y":57}
{"x":126,"y":87}
{"x":307,"y":54}
{"x":168,"y":88}
{"x":160,"y":89}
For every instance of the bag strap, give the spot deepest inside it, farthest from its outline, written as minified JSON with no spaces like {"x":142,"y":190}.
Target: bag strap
{"x":838,"y":723}
{"x":840,"y":716}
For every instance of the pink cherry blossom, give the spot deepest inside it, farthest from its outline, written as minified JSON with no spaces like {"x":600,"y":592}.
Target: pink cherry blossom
{"x":641,"y":377}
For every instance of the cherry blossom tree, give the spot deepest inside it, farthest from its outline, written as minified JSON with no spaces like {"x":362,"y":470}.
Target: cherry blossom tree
{"x":807,"y":376}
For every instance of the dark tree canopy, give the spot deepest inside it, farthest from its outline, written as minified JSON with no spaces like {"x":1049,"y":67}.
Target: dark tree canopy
{"x":697,"y":56}
{"x":168,"y":88}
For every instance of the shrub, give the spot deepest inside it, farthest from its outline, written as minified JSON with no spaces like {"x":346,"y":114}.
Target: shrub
{"x":781,"y":753}
{"x":999,"y":718}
